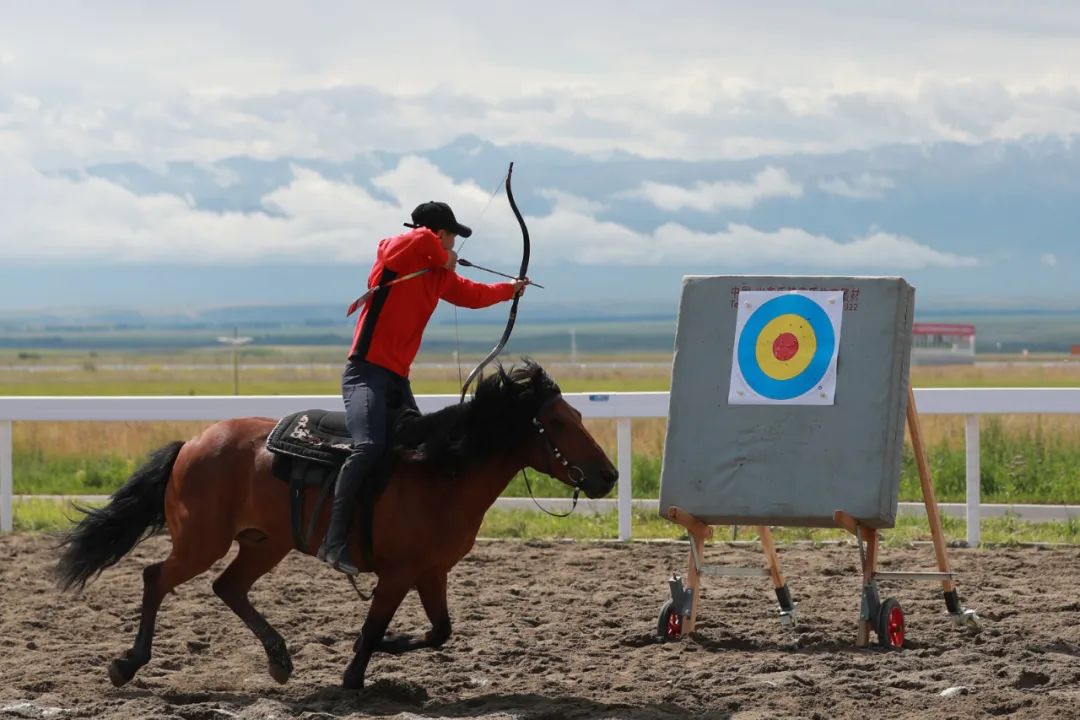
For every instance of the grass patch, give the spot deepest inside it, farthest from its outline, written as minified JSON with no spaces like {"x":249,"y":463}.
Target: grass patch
{"x":38,"y":474}
{"x":1024,"y":459}
{"x":1038,"y":468}
{"x":44,"y":515}
{"x":1038,"y":462}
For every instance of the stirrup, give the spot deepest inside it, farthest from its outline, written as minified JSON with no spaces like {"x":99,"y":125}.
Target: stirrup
{"x":346,"y":566}
{"x":341,"y":562}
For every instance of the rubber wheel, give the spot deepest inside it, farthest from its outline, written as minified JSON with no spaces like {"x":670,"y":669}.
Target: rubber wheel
{"x":669,"y":624}
{"x":890,"y":624}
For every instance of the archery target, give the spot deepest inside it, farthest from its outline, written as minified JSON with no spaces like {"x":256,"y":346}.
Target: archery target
{"x":785,"y":348}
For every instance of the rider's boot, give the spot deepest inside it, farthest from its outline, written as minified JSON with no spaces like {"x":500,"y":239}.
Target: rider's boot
{"x":335,"y":547}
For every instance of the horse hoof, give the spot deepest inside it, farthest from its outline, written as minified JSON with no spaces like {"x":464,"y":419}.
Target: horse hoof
{"x":353,"y":678}
{"x":280,"y":673}
{"x":279,"y":661}
{"x":121,"y":671}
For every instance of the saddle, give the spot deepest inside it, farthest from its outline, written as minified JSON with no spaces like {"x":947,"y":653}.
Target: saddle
{"x":309,"y":448}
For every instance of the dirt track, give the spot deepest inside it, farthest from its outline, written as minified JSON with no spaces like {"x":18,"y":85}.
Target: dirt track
{"x":556,"y":630}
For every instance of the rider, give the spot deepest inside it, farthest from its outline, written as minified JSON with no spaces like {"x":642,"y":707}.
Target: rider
{"x":375,"y":382}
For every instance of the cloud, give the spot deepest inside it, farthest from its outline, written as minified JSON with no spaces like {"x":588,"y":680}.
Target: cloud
{"x":972,"y":108}
{"x":313,"y":219}
{"x":708,"y":197}
{"x":206,"y":82}
{"x":859,"y":187}
{"x":585,"y":239}
{"x":1049,"y":259}
{"x":571,"y":202}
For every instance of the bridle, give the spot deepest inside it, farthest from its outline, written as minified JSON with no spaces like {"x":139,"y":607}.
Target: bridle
{"x":575,"y":473}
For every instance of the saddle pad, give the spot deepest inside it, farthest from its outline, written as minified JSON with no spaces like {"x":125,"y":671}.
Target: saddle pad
{"x":317,"y":435}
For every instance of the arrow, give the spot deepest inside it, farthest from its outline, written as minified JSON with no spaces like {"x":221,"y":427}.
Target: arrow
{"x":465,"y":263}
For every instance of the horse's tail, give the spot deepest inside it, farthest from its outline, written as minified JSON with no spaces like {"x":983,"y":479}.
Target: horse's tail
{"x":135,"y":512}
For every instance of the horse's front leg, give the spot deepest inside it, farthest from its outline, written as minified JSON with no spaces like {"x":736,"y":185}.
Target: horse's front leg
{"x":388,"y":594}
{"x":432,"y":591}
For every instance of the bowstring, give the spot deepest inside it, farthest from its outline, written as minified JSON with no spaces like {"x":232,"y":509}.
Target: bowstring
{"x":476,"y":227}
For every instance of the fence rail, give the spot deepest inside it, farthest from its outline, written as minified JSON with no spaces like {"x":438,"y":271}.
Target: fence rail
{"x":623,"y":407}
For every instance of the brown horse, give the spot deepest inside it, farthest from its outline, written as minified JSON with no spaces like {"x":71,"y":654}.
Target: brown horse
{"x":218,"y":487}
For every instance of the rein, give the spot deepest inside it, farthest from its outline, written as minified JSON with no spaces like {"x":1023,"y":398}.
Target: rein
{"x":576,"y":475}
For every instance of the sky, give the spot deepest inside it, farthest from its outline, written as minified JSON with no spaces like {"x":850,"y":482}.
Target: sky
{"x":697,"y":84}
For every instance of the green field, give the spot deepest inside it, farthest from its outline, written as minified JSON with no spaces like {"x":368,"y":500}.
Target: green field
{"x":1024,"y":459}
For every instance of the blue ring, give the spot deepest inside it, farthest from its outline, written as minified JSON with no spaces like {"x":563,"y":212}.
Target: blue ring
{"x":819,"y":322}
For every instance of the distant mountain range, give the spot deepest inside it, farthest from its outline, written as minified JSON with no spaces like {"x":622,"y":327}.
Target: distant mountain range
{"x":1014,"y":207}
{"x":539,"y":329}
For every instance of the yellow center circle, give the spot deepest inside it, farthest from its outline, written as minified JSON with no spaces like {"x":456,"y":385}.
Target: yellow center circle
{"x":771,"y":365}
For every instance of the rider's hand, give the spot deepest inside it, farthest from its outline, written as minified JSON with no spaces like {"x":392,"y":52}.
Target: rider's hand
{"x":519,"y":287}
{"x":451,"y":261}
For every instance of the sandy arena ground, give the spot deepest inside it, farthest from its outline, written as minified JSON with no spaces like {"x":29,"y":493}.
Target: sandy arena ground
{"x":556,"y":630}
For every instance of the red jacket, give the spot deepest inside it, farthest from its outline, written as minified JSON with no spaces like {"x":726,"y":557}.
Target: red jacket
{"x":392,"y":321}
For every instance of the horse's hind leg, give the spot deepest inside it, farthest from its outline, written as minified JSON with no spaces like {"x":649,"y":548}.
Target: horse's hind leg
{"x":251,"y":563}
{"x":158,"y":580}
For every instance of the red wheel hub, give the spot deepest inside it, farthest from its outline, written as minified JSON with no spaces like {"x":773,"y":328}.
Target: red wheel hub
{"x":894,"y":627}
{"x":674,"y":624}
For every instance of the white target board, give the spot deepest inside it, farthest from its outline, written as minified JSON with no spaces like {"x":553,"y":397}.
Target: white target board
{"x":788,"y":397}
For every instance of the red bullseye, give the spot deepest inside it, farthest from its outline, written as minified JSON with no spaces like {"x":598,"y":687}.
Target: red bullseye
{"x":785,"y":346}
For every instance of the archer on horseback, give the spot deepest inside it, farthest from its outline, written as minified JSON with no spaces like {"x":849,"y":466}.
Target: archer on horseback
{"x":411,"y":273}
{"x":221,"y":488}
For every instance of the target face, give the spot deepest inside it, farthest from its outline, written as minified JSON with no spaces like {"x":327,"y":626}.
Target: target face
{"x":785,"y":348}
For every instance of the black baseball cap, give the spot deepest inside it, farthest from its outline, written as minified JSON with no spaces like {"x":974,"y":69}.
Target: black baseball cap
{"x":437,"y":216}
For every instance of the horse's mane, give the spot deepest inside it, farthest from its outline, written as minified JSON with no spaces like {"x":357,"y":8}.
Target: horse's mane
{"x":496,"y":418}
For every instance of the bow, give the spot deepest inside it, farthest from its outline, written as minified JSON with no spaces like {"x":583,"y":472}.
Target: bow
{"x":524,"y":269}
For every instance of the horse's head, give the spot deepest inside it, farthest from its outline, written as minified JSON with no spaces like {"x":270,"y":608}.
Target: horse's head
{"x":564,"y":449}
{"x":522,"y":411}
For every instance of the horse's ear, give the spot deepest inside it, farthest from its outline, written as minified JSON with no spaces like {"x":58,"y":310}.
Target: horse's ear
{"x":528,"y":372}
{"x":520,"y":376}
{"x":539,"y":377}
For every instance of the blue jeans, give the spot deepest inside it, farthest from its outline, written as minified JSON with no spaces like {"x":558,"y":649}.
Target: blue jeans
{"x":372,"y":396}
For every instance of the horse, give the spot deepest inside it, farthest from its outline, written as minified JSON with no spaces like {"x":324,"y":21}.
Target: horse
{"x":448,"y":469}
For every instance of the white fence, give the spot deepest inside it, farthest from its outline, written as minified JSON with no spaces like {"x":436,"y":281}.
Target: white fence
{"x":621,"y":407}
